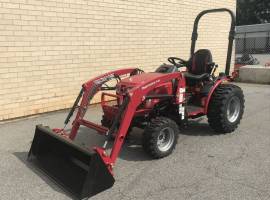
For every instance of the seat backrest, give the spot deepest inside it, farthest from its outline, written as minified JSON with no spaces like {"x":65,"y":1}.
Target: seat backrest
{"x":199,"y":62}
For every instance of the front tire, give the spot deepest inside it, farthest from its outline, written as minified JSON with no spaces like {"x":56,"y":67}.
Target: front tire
{"x":160,"y":137}
{"x":226,"y":108}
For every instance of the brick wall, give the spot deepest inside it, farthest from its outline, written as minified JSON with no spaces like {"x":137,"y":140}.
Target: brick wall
{"x":48,"y":48}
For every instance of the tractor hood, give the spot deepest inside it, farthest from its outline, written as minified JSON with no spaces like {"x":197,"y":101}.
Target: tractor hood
{"x":140,"y":79}
{"x":136,"y":80}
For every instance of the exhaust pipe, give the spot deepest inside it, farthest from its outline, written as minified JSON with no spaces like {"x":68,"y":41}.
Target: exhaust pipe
{"x":77,"y":170}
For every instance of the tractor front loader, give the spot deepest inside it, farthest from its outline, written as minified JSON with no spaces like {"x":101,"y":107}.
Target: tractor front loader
{"x":81,"y":171}
{"x":159,"y":102}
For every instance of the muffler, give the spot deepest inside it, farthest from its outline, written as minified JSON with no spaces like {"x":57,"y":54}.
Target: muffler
{"x":77,"y":170}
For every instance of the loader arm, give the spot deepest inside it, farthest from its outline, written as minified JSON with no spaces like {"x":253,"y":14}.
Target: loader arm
{"x":90,"y":88}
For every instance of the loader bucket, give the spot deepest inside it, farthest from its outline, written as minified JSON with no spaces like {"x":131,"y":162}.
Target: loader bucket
{"x":79,"y":171}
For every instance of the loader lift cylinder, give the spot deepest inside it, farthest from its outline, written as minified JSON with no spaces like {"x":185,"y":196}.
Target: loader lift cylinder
{"x":73,"y":107}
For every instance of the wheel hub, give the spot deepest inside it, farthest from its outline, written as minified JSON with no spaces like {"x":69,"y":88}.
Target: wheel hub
{"x":165,"y":139}
{"x":233,"y":109}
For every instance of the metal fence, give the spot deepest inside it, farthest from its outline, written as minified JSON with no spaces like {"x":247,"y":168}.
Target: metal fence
{"x":253,"y":42}
{"x":252,"y":45}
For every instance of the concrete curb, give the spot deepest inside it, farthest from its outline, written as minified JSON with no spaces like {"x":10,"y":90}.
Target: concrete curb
{"x":254,"y":74}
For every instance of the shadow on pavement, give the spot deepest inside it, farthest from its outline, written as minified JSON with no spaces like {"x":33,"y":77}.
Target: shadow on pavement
{"x":198,"y":127}
{"x":132,"y":149}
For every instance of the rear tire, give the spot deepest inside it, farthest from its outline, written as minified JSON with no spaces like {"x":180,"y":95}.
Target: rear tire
{"x":226,"y":108}
{"x":160,"y":137}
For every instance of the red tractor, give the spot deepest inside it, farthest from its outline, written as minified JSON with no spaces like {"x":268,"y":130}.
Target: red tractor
{"x":159,"y":102}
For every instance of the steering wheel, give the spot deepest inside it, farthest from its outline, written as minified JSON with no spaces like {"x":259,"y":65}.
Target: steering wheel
{"x":178,"y":62}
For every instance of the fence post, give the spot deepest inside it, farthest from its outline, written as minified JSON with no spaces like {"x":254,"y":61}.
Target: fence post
{"x":245,"y":36}
{"x":254,"y":46}
{"x":267,"y":43}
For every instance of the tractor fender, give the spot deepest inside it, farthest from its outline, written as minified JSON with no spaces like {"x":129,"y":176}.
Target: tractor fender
{"x":217,"y":83}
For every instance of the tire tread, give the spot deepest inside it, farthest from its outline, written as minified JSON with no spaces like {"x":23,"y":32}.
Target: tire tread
{"x":150,"y":135}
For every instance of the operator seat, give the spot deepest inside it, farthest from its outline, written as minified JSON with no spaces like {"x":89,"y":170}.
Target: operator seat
{"x":199,"y":66}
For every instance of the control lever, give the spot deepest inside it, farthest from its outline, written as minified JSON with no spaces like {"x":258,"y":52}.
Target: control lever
{"x":214,"y":69}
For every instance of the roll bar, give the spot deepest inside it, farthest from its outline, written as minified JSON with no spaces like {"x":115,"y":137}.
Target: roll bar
{"x":231,"y":34}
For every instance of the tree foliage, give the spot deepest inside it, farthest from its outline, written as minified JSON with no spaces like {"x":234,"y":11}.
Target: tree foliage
{"x":253,"y":12}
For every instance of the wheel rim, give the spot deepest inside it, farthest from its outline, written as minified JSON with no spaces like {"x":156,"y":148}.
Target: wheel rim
{"x":165,"y":139}
{"x":233,"y":109}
